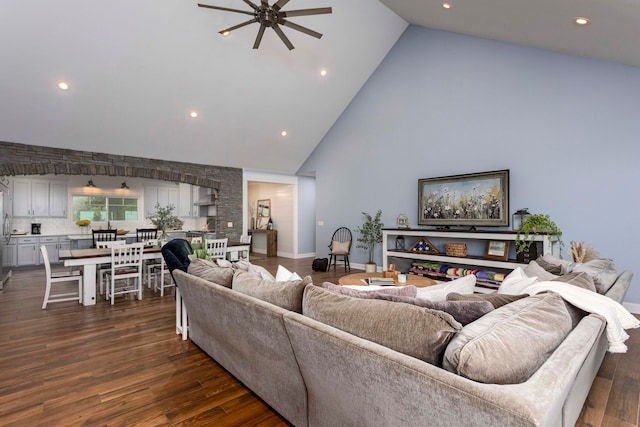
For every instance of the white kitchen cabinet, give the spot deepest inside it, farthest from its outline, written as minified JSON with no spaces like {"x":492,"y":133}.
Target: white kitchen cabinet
{"x":37,"y":197}
{"x":162,"y":195}
{"x":189,"y":194}
{"x":27,"y":253}
{"x":51,"y":243}
{"x":10,"y":254}
{"x":58,"y":199}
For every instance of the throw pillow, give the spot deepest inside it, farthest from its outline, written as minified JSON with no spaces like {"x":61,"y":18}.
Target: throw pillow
{"x":340,"y":248}
{"x":224,"y":263}
{"x":602,"y":271}
{"x":407,"y":291}
{"x":416,"y":331}
{"x":553,"y":264}
{"x":284,"y":275}
{"x":516,"y":282}
{"x":497,"y":300}
{"x":579,"y":279}
{"x":210,"y":271}
{"x":287,"y":295}
{"x":464,"y":285}
{"x":260,"y":271}
{"x":463,"y":311}
{"x":509,"y":344}
{"x":533,"y":269}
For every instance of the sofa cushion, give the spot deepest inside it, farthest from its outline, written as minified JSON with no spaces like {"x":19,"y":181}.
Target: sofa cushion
{"x":498,"y":348}
{"x":287,"y":295}
{"x":407,"y":291}
{"x":284,"y":275}
{"x":602,"y":271}
{"x":497,"y":300}
{"x":533,"y":269}
{"x":580,"y":279}
{"x":415,"y":331}
{"x":463,"y":311}
{"x":463,"y":285}
{"x":516,"y":282}
{"x":553,"y":264}
{"x":210,"y":271}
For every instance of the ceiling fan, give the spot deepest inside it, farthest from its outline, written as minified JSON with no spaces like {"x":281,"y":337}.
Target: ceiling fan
{"x":272,"y":16}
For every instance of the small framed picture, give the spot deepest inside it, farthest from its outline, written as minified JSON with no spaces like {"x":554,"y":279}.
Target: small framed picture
{"x":497,"y":250}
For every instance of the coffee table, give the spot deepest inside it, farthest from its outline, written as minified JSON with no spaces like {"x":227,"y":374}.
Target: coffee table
{"x":412,"y":279}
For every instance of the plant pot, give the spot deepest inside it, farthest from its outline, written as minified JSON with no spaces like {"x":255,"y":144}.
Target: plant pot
{"x":530,"y":253}
{"x":370,"y":268}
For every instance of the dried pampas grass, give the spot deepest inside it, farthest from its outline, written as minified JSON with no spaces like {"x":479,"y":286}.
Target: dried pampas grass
{"x":582,"y":252}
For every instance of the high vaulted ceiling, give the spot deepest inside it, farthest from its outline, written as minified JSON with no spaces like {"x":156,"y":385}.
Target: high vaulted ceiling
{"x":137,"y":68}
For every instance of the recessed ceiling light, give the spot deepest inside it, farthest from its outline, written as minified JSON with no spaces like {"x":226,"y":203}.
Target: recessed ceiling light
{"x":446,"y":5}
{"x":63,"y":86}
{"x":581,"y":20}
{"x":323,"y":72}
{"x":193,"y":114}
{"x":283,"y":133}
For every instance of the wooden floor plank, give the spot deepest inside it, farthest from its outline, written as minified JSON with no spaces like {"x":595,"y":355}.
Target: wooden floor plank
{"x":123,"y":365}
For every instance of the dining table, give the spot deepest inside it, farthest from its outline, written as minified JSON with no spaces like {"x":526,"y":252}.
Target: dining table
{"x":89,"y":259}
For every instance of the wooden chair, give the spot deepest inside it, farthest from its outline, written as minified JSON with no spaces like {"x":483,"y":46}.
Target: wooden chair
{"x":340,"y":246}
{"x":126,"y":264}
{"x":59,"y":277}
{"x":145,"y":234}
{"x":217,"y":248}
{"x":103,"y":268}
{"x":104,"y":236}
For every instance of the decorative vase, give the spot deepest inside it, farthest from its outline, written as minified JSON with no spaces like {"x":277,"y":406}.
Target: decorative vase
{"x":370,"y":267}
{"x":163,"y":238}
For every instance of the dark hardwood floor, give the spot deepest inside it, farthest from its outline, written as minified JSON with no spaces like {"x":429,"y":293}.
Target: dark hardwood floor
{"x":123,"y":365}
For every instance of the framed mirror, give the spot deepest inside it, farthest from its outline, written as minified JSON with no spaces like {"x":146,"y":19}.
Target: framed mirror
{"x":264,"y":213}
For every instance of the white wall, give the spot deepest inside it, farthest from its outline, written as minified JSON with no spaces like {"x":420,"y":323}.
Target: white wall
{"x":443,"y":104}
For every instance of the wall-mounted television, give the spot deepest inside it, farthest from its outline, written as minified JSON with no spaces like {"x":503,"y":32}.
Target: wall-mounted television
{"x":475,"y":199}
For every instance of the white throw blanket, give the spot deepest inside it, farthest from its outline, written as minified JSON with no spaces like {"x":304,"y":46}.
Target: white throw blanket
{"x":618,"y":318}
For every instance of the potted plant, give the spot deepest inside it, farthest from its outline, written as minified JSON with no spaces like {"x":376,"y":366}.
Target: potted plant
{"x":533,"y":225}
{"x":163,"y":219}
{"x":370,"y":235}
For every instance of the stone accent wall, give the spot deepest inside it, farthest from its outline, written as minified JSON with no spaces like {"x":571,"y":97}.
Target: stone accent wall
{"x":21,"y":159}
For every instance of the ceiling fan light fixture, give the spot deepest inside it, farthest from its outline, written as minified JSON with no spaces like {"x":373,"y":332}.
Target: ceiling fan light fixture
{"x":272,"y":16}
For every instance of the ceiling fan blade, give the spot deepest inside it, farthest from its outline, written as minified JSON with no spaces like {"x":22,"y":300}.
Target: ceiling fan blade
{"x":235,"y":27}
{"x":300,"y":28}
{"x":253,"y":6}
{"x":259,"y":36}
{"x":226,"y":8}
{"x":280,"y":4}
{"x":282,"y":36}
{"x":264,"y":3}
{"x":304,"y":12}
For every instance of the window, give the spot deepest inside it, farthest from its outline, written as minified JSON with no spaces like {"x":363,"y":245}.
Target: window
{"x":99,"y":208}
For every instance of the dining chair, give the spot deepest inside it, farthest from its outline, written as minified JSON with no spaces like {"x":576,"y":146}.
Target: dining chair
{"x":340,"y":246}
{"x":59,"y":277}
{"x":104,"y":236}
{"x":217,"y":248}
{"x":176,"y":254}
{"x":126,"y":264}
{"x":145,"y":234}
{"x":103,"y":268}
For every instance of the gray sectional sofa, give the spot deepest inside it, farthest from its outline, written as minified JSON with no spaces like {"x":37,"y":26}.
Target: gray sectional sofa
{"x":314,"y":374}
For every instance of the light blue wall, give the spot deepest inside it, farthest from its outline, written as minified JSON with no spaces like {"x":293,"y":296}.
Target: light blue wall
{"x":568,"y":128}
